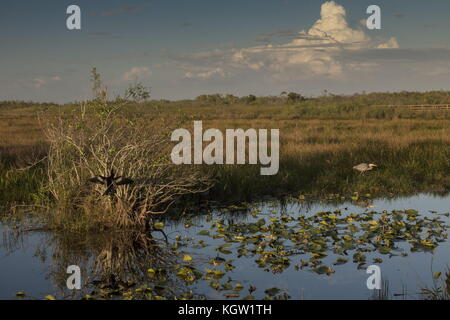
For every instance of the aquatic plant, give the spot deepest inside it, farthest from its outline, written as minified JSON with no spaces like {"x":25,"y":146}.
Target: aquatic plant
{"x":441,"y":288}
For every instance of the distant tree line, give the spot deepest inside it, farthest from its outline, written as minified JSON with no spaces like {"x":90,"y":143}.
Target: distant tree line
{"x":229,"y":99}
{"x":138,"y":93}
{"x":25,"y":104}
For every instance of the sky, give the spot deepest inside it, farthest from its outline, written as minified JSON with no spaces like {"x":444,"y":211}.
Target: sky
{"x":182,"y":48}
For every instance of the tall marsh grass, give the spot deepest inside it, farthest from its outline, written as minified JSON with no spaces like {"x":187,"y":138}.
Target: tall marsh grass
{"x":320,"y":141}
{"x":317,"y":157}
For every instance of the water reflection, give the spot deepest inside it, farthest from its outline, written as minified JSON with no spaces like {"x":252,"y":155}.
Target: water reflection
{"x":109,"y":262}
{"x":36,"y":262}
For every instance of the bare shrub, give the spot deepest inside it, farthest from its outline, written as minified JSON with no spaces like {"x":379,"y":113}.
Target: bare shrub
{"x":99,"y":140}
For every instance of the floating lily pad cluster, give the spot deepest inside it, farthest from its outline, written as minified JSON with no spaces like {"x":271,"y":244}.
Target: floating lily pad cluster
{"x":274,"y":241}
{"x":278,"y":241}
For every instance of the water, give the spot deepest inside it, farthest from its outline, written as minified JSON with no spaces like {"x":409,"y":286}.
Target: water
{"x":35,"y":262}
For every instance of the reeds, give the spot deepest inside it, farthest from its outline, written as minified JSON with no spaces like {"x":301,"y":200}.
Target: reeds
{"x":320,"y":141}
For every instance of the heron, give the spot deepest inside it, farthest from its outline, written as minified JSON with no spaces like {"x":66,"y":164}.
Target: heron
{"x":365,"y":204}
{"x":363,"y":167}
{"x":110,"y":182}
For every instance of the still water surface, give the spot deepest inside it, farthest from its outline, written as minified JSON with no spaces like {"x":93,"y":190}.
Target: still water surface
{"x":35,"y":262}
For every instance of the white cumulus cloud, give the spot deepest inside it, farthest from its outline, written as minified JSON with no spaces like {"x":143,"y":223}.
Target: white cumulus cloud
{"x":317,"y":51}
{"x":40,"y":82}
{"x":136,"y":73}
{"x":391,"y":44}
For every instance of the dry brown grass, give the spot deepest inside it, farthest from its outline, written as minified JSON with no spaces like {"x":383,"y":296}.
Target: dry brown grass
{"x":317,"y":153}
{"x":22,"y":130}
{"x":308,"y":137}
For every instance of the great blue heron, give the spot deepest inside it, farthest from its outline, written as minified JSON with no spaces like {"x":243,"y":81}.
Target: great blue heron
{"x":110,"y":182}
{"x":363,"y":167}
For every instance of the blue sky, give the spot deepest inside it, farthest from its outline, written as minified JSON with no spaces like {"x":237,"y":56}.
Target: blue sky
{"x":185,"y":48}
